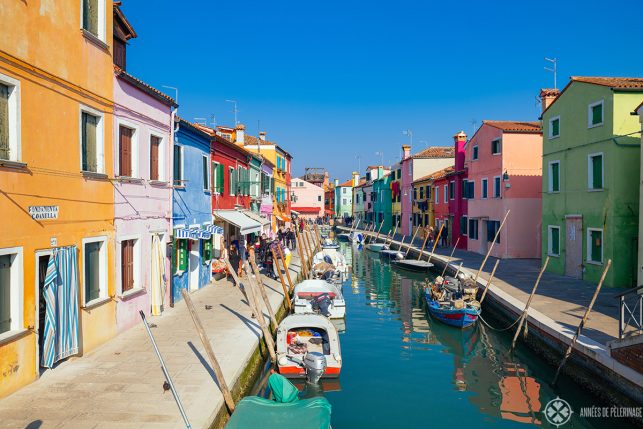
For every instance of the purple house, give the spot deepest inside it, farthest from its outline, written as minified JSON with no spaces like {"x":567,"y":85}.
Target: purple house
{"x":143,"y":122}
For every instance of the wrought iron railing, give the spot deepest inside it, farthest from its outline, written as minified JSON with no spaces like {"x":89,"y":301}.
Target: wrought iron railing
{"x":630,"y":319}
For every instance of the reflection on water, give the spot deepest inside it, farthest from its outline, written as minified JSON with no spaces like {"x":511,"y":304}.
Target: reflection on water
{"x":402,"y":369}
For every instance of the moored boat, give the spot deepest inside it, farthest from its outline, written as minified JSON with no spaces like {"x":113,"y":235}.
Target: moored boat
{"x":308,"y":347}
{"x":319,"y":296}
{"x":412,"y":265}
{"x":375,"y":247}
{"x":329,"y":244}
{"x":453,"y":302}
{"x":330,"y":265}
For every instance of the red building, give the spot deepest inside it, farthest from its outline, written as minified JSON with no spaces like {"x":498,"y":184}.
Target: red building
{"x":457,"y":219}
{"x":441,"y":198}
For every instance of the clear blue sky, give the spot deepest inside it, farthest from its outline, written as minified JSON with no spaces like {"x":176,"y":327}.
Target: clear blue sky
{"x":330,"y":80}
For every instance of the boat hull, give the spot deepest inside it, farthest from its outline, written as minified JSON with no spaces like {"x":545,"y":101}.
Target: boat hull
{"x":375,"y":247}
{"x":412,"y":265}
{"x":459,"y":318}
{"x":391,"y":254}
{"x":344,"y":237}
{"x":295,"y":371}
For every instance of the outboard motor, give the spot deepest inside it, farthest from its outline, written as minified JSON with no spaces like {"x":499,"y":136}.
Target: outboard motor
{"x":322,"y":303}
{"x":328,"y":259}
{"x":315,"y":365}
{"x":328,"y":275}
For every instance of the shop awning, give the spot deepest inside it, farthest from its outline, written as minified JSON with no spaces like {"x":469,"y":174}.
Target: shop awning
{"x":282,"y":217}
{"x":300,"y":210}
{"x":254,"y":216}
{"x":245,"y":224}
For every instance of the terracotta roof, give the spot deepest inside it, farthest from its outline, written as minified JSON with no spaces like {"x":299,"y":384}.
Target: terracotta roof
{"x":435,"y":152}
{"x":361,"y":184}
{"x":516,"y":126}
{"x":437,"y":174}
{"x":373,"y":167}
{"x":149,"y":90}
{"x":195,"y":127}
{"x":346,"y":183}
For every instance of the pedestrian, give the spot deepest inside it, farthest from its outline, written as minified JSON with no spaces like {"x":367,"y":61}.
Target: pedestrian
{"x":235,"y":261}
{"x":250,"y":249}
{"x":292,"y":240}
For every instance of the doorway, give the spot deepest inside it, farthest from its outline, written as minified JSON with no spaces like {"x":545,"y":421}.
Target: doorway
{"x":482,"y":233}
{"x":574,"y":246}
{"x":42,"y":262}
{"x":194,"y":262}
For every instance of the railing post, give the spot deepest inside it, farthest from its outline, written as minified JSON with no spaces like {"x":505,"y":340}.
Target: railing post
{"x":640,"y":313}
{"x":621,"y":317}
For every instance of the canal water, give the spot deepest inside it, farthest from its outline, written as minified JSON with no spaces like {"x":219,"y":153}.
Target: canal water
{"x":401,"y":369}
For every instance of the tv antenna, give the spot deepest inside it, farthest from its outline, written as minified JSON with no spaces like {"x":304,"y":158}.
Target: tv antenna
{"x":234,"y":110}
{"x":553,"y":69}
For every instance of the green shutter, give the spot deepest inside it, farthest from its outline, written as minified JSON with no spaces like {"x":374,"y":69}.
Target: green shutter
{"x":555,"y":177}
{"x":555,"y":127}
{"x":220,"y":178}
{"x":205,"y":171}
{"x":4,"y":122}
{"x":177,"y":165}
{"x":206,"y":254}
{"x":181,"y":255}
{"x":597,"y":172}
{"x":597,"y":114}
{"x":555,"y":241}
{"x":596,"y":246}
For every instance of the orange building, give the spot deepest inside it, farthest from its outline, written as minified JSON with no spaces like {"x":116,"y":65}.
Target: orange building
{"x":56,"y":162}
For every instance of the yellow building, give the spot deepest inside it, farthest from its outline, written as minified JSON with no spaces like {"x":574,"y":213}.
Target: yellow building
{"x":56,"y":86}
{"x":423,"y":204}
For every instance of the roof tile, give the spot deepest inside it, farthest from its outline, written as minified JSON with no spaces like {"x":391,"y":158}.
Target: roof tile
{"x":516,"y":126}
{"x":435,"y":152}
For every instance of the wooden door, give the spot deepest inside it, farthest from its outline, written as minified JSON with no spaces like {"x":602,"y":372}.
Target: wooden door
{"x":127,"y":265}
{"x":574,"y":246}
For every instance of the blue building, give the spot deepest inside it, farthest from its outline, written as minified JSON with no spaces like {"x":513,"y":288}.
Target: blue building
{"x":191,"y":210}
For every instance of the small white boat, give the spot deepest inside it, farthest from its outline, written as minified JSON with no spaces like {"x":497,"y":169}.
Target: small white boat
{"x":319,"y":296}
{"x":412,"y":265}
{"x":375,"y":247}
{"x":391,"y":254}
{"x":308,"y":347}
{"x":334,"y":258}
{"x":329,"y":244}
{"x":344,"y":236}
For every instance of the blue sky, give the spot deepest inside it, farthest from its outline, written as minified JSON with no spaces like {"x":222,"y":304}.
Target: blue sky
{"x":331,"y":80}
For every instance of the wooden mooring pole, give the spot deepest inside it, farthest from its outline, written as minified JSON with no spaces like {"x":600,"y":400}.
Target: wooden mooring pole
{"x":262,"y":290}
{"x":426,"y":237}
{"x":214,"y":363}
{"x":523,"y":316}
{"x":281,"y":278}
{"x":283,"y":258}
{"x":450,"y":257}
{"x":484,"y":261}
{"x":484,"y":292}
{"x":411,"y":243}
{"x":434,"y":244}
{"x":582,"y":322}
{"x":302,"y":256}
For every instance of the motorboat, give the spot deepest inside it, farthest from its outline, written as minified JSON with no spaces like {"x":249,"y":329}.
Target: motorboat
{"x":453,"y":301}
{"x":330,"y":264}
{"x":412,"y":265}
{"x":376,"y":247}
{"x":391,"y":254}
{"x":329,"y":244}
{"x":308,"y":347}
{"x":319,"y":296}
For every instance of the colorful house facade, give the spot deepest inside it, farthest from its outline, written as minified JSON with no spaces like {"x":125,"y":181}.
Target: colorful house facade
{"x":423,"y":215}
{"x":458,"y":205}
{"x":591,"y":158}
{"x":639,"y":111}
{"x":344,"y":198}
{"x":358,"y":201}
{"x":55,"y":175}
{"x":396,"y":194}
{"x":440,"y":181}
{"x":381,"y":200}
{"x":308,"y":199}
{"x":504,"y":169}
{"x":143,"y":123}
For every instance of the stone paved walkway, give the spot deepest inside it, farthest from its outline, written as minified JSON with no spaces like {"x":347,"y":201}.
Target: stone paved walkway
{"x":120,"y":383}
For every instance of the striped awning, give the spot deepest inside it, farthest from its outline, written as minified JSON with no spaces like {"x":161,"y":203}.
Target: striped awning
{"x":237,"y":218}
{"x":214,"y":229}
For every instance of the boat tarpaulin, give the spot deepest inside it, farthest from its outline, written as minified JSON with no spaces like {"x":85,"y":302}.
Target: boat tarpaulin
{"x":245,"y":224}
{"x":253,"y":412}
{"x":282,"y":389}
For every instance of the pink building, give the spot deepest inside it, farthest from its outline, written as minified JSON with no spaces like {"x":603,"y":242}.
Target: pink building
{"x":406,"y":191}
{"x":308,"y":199}
{"x":142,"y":189}
{"x":504,"y":161}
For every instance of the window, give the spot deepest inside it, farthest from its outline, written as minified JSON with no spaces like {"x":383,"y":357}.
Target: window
{"x":11,"y":289}
{"x":553,"y":240}
{"x":155,"y":161}
{"x":471,"y":193}
{"x":415,"y":193}
{"x":483,"y":184}
{"x":344,"y":201}
{"x":178,"y":165}
{"x":492,"y":228}
{"x":554,"y":127}
{"x":217,"y":171}
{"x":475,"y":153}
{"x":93,"y":17}
{"x":437,"y":195}
{"x":496,"y":187}
{"x":595,"y":114}
{"x":464,"y":223}
{"x":343,"y":190}
{"x":399,"y":173}
{"x":428,"y":192}
{"x":319,"y":198}
{"x":473,"y":229}
{"x":465,"y":189}
{"x":495,"y":147}
{"x":554,"y":177}
{"x":205,"y":164}
{"x":426,"y":219}
{"x":95,"y":269}
{"x":595,"y":245}
{"x":125,"y":150}
{"x":451,"y":190}
{"x":91,"y":140}
{"x":9,"y":119}
{"x":595,"y":171}
{"x":421,"y":192}
{"x":446,"y":193}
{"x":232,"y":180}
{"x":130,"y":265}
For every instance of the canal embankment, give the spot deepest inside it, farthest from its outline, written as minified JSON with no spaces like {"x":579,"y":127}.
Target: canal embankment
{"x":121,"y":383}
{"x":556,"y":311}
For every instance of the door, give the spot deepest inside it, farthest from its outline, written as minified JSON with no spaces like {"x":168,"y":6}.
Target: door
{"x":42,"y":262}
{"x":574,"y":246}
{"x":482,"y":234}
{"x":194,"y":265}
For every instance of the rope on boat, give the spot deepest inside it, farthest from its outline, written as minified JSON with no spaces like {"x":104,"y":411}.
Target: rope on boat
{"x":498,"y":329}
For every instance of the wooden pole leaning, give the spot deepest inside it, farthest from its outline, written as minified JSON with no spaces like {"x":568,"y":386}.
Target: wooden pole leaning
{"x":305,"y":247}
{"x":214,"y":363}
{"x":493,"y":272}
{"x":450,"y":257}
{"x":267,"y":335}
{"x":484,"y":261}
{"x":262,"y":290}
{"x":426,"y":237}
{"x":283,"y":258}
{"x":435,"y":244}
{"x":302,"y":256}
{"x":309,"y":248}
{"x":367,"y":238}
{"x":411,"y":243}
{"x":523,"y":316}
{"x":377,"y":236}
{"x":281,"y":278}
{"x":582,"y":322}
{"x":401,"y":242}
{"x":390,"y":239}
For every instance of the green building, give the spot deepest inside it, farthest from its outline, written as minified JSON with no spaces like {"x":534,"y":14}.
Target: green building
{"x":590,"y":171}
{"x":382,"y":202}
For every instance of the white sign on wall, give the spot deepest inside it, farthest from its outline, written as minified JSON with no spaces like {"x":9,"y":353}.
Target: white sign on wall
{"x":43,"y":212}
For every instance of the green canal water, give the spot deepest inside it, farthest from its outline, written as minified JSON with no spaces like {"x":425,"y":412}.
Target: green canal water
{"x":401,"y":369}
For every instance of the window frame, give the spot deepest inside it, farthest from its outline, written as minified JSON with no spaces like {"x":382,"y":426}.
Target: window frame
{"x":601,"y":103}
{"x":15,"y":128}
{"x":231,"y":192}
{"x":134,"y":157}
{"x":138,"y":284}
{"x":475,"y":153}
{"x":102,"y":21}
{"x":590,"y":171}
{"x":103,"y":285}
{"x":162,"y":158}
{"x":464,"y":220}
{"x":499,"y":141}
{"x":484,"y":188}
{"x":16,"y":292}
{"x":178,"y":181}
{"x":550,"y":133}
{"x":437,"y":194}
{"x":452,"y":190}
{"x":550,"y":177}
{"x":589,"y":246}
{"x":446,"y":193}
{"x":550,"y":250}
{"x":497,"y":190}
{"x":100,"y":138}
{"x":476,"y":229}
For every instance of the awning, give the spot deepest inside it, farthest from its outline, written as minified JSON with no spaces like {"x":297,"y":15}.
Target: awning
{"x":300,"y":210}
{"x":245,"y":224}
{"x":254,"y":216}
{"x":282,"y":217}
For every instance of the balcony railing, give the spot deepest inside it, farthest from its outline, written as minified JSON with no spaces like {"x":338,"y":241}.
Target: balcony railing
{"x":630,"y":319}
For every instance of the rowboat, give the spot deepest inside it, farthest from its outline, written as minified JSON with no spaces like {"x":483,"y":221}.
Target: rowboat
{"x":375,"y":247}
{"x":391,"y":254}
{"x":308,"y":347}
{"x":453,"y":303}
{"x":412,"y":265}
{"x":319,"y":296}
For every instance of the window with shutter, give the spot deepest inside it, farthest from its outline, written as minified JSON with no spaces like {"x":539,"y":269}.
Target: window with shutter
{"x":178,"y":166}
{"x":595,"y":245}
{"x":475,"y":152}
{"x":155,"y":144}
{"x":89,"y":129}
{"x":5,"y":293}
{"x":90,"y":16}
{"x":484,"y":188}
{"x":554,"y":177}
{"x":596,"y":179}
{"x":554,"y":127}
{"x":127,"y":265}
{"x":464,"y":223}
{"x":92,"y":271}
{"x":496,"y":187}
{"x":5,"y":151}
{"x":451,"y":190}
{"x":220,"y":178}
{"x":232,"y":181}
{"x":205,"y":162}
{"x":596,"y":114}
{"x":554,"y":241}
{"x":125,"y":151}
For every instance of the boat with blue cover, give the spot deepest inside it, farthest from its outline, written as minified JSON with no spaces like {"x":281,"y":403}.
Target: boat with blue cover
{"x":453,"y":302}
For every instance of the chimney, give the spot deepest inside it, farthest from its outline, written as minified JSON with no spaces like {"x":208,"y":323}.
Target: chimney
{"x":262,"y":136}
{"x":355,"y":179}
{"x":547,"y":96}
{"x":336,"y":183}
{"x":406,"y":149}
{"x":240,"y":134}
{"x":459,"y":139}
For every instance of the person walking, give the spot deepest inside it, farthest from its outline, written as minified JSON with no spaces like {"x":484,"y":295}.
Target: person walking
{"x":235,"y":262}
